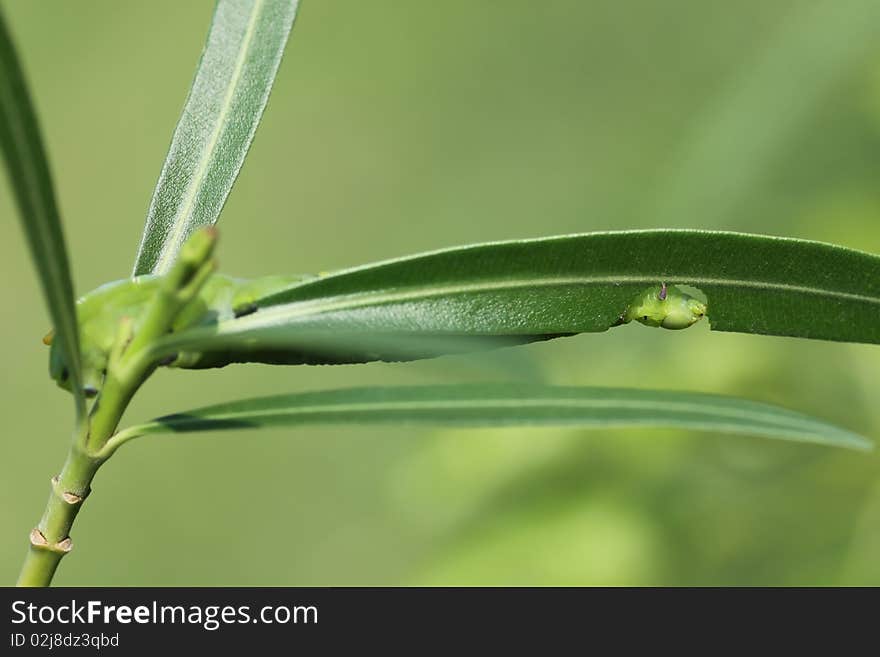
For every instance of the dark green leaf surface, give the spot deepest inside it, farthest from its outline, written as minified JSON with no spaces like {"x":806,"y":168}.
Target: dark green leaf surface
{"x":224,"y":107}
{"x":31,"y":183}
{"x":506,"y":405}
{"x":533,"y":289}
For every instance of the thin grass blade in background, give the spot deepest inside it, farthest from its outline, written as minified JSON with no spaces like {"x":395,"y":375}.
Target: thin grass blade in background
{"x":225,"y":104}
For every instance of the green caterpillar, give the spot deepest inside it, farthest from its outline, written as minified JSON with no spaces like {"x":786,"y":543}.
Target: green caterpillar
{"x":664,"y":306}
{"x":100,"y":312}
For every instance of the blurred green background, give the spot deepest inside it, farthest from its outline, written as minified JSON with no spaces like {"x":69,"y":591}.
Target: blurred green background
{"x":398,"y":127}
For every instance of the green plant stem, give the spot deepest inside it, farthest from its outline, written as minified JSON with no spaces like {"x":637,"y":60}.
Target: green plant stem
{"x":50,"y":540}
{"x":128,"y":367}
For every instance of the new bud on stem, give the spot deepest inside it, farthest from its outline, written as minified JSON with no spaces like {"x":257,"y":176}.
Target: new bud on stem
{"x":192,"y":261}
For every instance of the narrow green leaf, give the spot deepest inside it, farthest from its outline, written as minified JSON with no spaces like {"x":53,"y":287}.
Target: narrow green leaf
{"x":224,"y":107}
{"x":506,"y":405}
{"x":31,"y":182}
{"x":534,"y":289}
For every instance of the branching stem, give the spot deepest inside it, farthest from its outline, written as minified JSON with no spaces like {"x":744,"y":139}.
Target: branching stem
{"x":128,"y":368}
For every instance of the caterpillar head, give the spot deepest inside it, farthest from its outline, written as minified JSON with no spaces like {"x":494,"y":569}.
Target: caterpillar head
{"x":60,"y":373}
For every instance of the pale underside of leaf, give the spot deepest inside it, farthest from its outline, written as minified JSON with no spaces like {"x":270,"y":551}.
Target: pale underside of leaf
{"x":230,"y":91}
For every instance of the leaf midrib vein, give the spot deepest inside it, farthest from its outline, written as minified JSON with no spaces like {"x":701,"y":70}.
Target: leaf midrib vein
{"x":169,"y":249}
{"x":285,"y":311}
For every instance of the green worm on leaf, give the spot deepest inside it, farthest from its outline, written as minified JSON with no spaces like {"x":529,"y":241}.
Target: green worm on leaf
{"x":665,"y":306}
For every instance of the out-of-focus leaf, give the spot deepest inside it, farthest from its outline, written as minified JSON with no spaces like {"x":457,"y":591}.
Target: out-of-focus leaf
{"x":31,"y":182}
{"x":224,"y":107}
{"x":505,"y":405}
{"x":534,"y":289}
{"x":735,"y":141}
{"x":594,"y":542}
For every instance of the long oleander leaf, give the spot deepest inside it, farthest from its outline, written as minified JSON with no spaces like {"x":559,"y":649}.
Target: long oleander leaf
{"x":506,"y":405}
{"x":534,"y":289}
{"x":31,"y":182}
{"x":224,"y":107}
